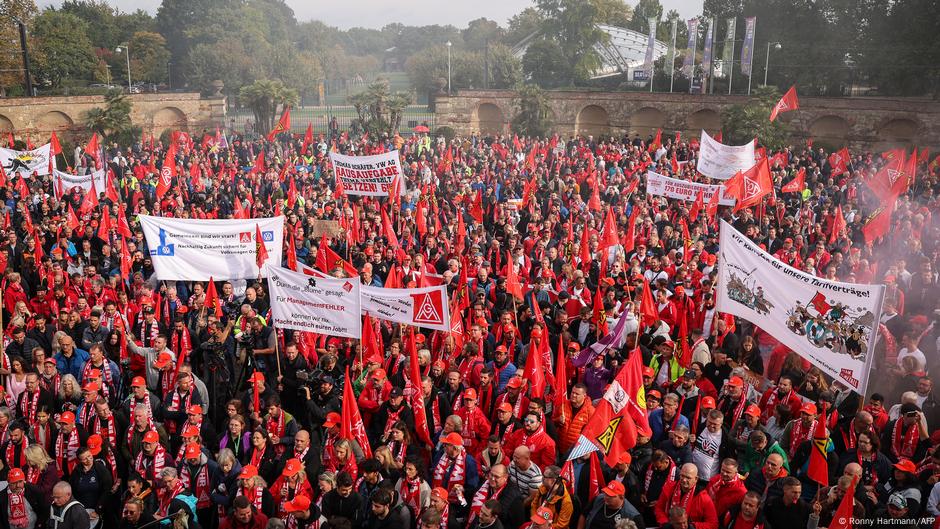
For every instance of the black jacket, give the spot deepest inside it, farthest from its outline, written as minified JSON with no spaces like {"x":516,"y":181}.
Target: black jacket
{"x":32,"y":497}
{"x":336,"y":505}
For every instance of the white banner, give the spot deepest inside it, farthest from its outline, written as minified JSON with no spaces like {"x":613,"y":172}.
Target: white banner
{"x":423,"y":307}
{"x":27,"y":161}
{"x":662,"y":185}
{"x":65,"y":182}
{"x":324,"y":305}
{"x":371,"y":176}
{"x":720,"y":161}
{"x":829,"y":323}
{"x":195,"y":250}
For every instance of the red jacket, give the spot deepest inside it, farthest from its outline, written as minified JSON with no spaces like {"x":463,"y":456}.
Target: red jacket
{"x":725,"y":495}
{"x":258,"y":521}
{"x":701,"y":509}
{"x":541,"y":445}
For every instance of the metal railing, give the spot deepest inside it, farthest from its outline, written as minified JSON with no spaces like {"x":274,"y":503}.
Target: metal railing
{"x":320,"y":117}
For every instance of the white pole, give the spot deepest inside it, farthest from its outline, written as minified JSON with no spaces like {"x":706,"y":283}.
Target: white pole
{"x":127,"y":53}
{"x":672,"y":56}
{"x":731,"y":66}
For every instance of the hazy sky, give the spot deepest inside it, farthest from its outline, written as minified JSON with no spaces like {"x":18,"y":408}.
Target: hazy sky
{"x":377,"y":13}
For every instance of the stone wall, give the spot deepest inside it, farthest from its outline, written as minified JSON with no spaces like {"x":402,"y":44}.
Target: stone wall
{"x":154,"y":113}
{"x":860,"y":123}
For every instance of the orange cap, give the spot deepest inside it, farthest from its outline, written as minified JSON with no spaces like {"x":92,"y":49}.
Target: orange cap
{"x":67,"y":417}
{"x":91,"y":387}
{"x":248,"y":472}
{"x":753,"y":410}
{"x":138,"y":382}
{"x":163,"y":359}
{"x":453,"y":438}
{"x":15,"y":475}
{"x":94,"y":444}
{"x":708,"y":403}
{"x":736,"y":382}
{"x":470,"y":393}
{"x":193,"y":451}
{"x":195,"y":409}
{"x":332,"y":419}
{"x":292,"y":467}
{"x":151,"y":437}
{"x":378,"y":374}
{"x":191,"y":431}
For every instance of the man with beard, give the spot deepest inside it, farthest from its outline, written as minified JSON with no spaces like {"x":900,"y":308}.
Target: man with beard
{"x":71,"y":437}
{"x":726,"y":488}
{"x":533,"y":436}
{"x":687,"y":493}
{"x":747,"y":515}
{"x":321,"y":403}
{"x":32,"y":398}
{"x":782,"y":394}
{"x":13,"y":450}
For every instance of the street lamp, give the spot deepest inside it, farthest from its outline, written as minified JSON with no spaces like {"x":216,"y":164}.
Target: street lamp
{"x":127,"y":53}
{"x":107,"y":68}
{"x":449,"y":44}
{"x":776,"y":46}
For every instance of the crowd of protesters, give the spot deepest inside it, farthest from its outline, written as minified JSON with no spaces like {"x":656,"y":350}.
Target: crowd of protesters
{"x":126,"y":401}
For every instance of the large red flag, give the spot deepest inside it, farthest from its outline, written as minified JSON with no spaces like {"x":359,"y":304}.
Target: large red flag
{"x":476,"y":210}
{"x":879,"y":222}
{"x":308,"y":138}
{"x":648,"y":311}
{"x":842,"y":519}
{"x":752,"y":185}
{"x":818,"y":470}
{"x":609,"y":237}
{"x":260,"y":248}
{"x":282,"y":124}
{"x":618,"y":417}
{"x":838,"y":224}
{"x":596,"y":481}
{"x":788,"y":102}
{"x":327,"y":259}
{"x":167,"y":172}
{"x":291,"y":250}
{"x":91,"y":149}
{"x":890,"y":177}
{"x":712,"y":208}
{"x":561,"y":381}
{"x":417,"y":393}
{"x":839,"y":161}
{"x":534,"y":373}
{"x":212,"y":299}
{"x":657,"y":141}
{"x":352,"y":427}
{"x":599,"y":314}
{"x":698,"y":205}
{"x":73,"y":223}
{"x":797,"y":184}
{"x":513,"y":286}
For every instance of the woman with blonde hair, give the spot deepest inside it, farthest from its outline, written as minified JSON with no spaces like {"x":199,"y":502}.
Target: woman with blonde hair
{"x":343,"y":459}
{"x":41,"y":471}
{"x":325,"y":483}
{"x":69,"y":396}
{"x":255,"y":488}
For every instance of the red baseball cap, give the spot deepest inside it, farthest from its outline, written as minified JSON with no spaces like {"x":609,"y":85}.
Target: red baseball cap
{"x":809,"y":408}
{"x":292,"y":467}
{"x":505,"y":407}
{"x":453,"y":438}
{"x":470,"y":393}
{"x":163,"y":359}
{"x":15,"y":475}
{"x":248,"y":472}
{"x":67,"y":417}
{"x":753,"y":410}
{"x":439,"y":493}
{"x":736,"y":382}
{"x":514,"y":382}
{"x":94,"y":444}
{"x":195,"y":409}
{"x":91,"y":387}
{"x":614,"y":488}
{"x":193,"y":451}
{"x":332,"y":419}
{"x":906,"y":465}
{"x":138,"y":382}
{"x":708,"y":403}
{"x":542,"y":515}
{"x":300,"y":503}
{"x":191,"y":431}
{"x":648,"y":371}
{"x":378,"y":374}
{"x":151,"y":437}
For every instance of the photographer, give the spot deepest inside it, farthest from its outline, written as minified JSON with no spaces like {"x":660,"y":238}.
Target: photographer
{"x":290,"y":384}
{"x":321,"y":402}
{"x":260,"y":341}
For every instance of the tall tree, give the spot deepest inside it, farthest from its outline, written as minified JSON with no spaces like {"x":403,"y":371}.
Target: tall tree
{"x":747,"y":121}
{"x":64,"y":50}
{"x":533,"y":116}
{"x":149,"y":57}
{"x":481,"y":32}
{"x":522,"y":25}
{"x":11,"y":65}
{"x":266,"y":98}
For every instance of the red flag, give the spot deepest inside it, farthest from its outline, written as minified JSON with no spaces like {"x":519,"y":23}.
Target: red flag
{"x":111,"y":192}
{"x":10,"y":141}
{"x":388,"y":231}
{"x":600,"y":315}
{"x":657,"y":141}
{"x":91,"y":149}
{"x":212,"y":299}
{"x":797,"y":184}
{"x":421,"y":221}
{"x":788,"y":102}
{"x":73,"y":223}
{"x":820,"y":304}
{"x":417,"y":393}
{"x":890,"y":178}
{"x":291,"y":194}
{"x":648,"y":311}
{"x":55,"y":147}
{"x":561,"y":380}
{"x":712,"y":208}
{"x":752,"y":185}
{"x":259,"y":163}
{"x":167,"y":172}
{"x":513,"y":287}
{"x":534,"y":373}
{"x":126,"y":263}
{"x":685,"y":354}
{"x":879,"y":222}
{"x":352,"y":427}
{"x":3,"y":178}
{"x":282,"y":124}
{"x":123,"y":228}
{"x":584,"y":251}
{"x":596,"y":481}
{"x":308,"y":138}
{"x":818,"y":470}
{"x":838,"y":224}
{"x":260,"y":248}
{"x":476,"y":210}
{"x":842,"y":519}
{"x":698,"y":205}
{"x":327,"y":259}
{"x":839,"y":161}
{"x":90,"y":201}
{"x":619,"y":416}
{"x":594,"y":203}
{"x":238,"y":210}
{"x":629,"y":237}
{"x":609,"y":237}
{"x":104,"y":228}
{"x":291,"y":251}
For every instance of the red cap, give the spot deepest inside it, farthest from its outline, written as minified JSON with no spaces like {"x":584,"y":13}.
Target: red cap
{"x":195,"y":409}
{"x":655,"y":394}
{"x":736,"y":382}
{"x":15,"y":475}
{"x":95,"y":373}
{"x":332,"y":419}
{"x":753,"y":410}
{"x":625,"y":458}
{"x":439,"y":493}
{"x":191,"y":431}
{"x":94,"y":444}
{"x":501,"y":349}
{"x":138,"y":382}
{"x":708,"y":403}
{"x":505,"y":407}
{"x":292,"y":467}
{"x":151,"y":437}
{"x":614,"y":488}
{"x":300,"y":503}
{"x":809,"y":408}
{"x":248,"y":472}
{"x":514,"y":382}
{"x":470,"y":393}
{"x":257,"y":376}
{"x":574,"y":346}
{"x":453,"y":438}
{"x":50,"y":360}
{"x":906,"y":465}
{"x":91,"y":387}
{"x":378,"y":374}
{"x":648,"y":371}
{"x":67,"y":417}
{"x":193,"y":451}
{"x":541,"y":516}
{"x":163,"y":359}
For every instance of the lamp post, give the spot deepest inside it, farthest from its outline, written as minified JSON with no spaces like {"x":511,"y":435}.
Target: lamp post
{"x":169,"y":78}
{"x":107,"y":68}
{"x":26,"y":72}
{"x":776,"y":46}
{"x":449,"y":44}
{"x":127,"y":52}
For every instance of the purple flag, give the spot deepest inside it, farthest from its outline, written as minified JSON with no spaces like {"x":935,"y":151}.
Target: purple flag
{"x":614,"y":340}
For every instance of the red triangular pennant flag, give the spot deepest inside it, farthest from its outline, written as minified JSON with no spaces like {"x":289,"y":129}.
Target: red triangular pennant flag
{"x":788,"y":102}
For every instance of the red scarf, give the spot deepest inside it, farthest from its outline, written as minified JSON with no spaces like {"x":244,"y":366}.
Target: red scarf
{"x":51,"y":384}
{"x":28,"y":406}
{"x":201,"y":487}
{"x":869,"y":476}
{"x":903,"y":444}
{"x":106,"y":379}
{"x":150,"y":467}
{"x":181,"y":343}
{"x":328,"y":452}
{"x":399,"y":450}
{"x":393,"y":417}
{"x":411,"y":493}
{"x":799,"y":433}
{"x":456,"y":466}
{"x":480,"y":498}
{"x":670,"y":476}
{"x":11,"y":458}
{"x":178,"y":402}
{"x":738,"y":409}
{"x":277,"y":427}
{"x":771,"y":404}
{"x":679,"y":499}
{"x":166,"y":496}
{"x":67,"y":448}
{"x":283,"y":492}
{"x":168,"y":382}
{"x":254,"y":494}
{"x":436,"y":414}
{"x":42,"y":435}
{"x":17,"y":512}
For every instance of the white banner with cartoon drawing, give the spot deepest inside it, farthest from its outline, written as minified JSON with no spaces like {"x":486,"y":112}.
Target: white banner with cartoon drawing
{"x":831,"y":324}
{"x":36,"y":160}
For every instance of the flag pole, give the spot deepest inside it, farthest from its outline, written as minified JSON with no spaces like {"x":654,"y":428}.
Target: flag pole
{"x":277,"y":352}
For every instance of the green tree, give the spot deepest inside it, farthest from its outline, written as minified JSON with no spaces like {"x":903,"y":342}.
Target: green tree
{"x":114,"y":120}
{"x":481,"y":32}
{"x":614,"y":12}
{"x":266,"y":98}
{"x":149,"y":57}
{"x":11,"y":66}
{"x":522,"y":25}
{"x":64,"y":50}
{"x":533,"y":113}
{"x":744,"y":122}
{"x":545,"y":65}
{"x":379,"y":109}
{"x":108,"y":27}
{"x":505,"y":68}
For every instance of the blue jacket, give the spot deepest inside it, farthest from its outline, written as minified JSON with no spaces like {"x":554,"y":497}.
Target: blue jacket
{"x":74,"y":365}
{"x":659,"y":429}
{"x":472,"y":478}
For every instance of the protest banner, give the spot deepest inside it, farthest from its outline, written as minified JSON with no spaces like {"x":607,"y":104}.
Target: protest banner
{"x":330,"y":228}
{"x":661,"y":185}
{"x":371,"y":176}
{"x":322,"y":305}
{"x":195,"y":250}
{"x":65,"y":182}
{"x":719,"y":161}
{"x":829,"y":323}
{"x":36,"y":160}
{"x":422,"y":307}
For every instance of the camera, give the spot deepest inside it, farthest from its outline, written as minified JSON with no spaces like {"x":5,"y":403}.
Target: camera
{"x":312,"y":379}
